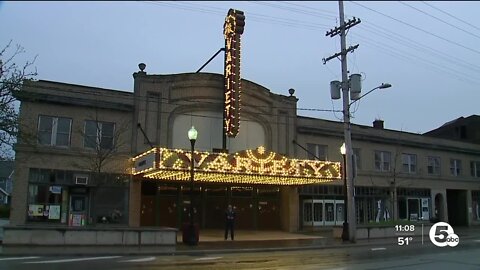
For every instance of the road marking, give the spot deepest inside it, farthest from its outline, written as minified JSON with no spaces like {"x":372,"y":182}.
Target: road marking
{"x":207,"y":258}
{"x":422,"y":233}
{"x":77,"y":259}
{"x":380,"y":248}
{"x":18,"y":258}
{"x":147,"y":259}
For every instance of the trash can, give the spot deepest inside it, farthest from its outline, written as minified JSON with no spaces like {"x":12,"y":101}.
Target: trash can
{"x":190,"y":235}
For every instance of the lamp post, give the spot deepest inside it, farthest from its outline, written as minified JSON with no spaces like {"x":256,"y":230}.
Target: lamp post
{"x":345,"y":235}
{"x":348,"y":160}
{"x":192,"y":234}
{"x":344,"y":85}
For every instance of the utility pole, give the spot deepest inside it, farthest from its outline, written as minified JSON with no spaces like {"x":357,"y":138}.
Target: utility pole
{"x":351,"y":221}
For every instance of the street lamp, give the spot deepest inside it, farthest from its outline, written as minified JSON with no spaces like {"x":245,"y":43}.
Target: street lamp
{"x":345,"y":235}
{"x":381,"y":86}
{"x":192,"y":238}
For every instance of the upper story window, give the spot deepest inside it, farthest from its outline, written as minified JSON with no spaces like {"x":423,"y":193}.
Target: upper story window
{"x":475,"y":168}
{"x":98,"y":135}
{"x":433,"y":165}
{"x":409,"y":163}
{"x":318,"y":150}
{"x":54,"y":130}
{"x":455,"y":167}
{"x":382,"y":161}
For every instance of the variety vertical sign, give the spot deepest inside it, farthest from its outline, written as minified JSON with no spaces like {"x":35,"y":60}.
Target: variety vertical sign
{"x":232,"y":30}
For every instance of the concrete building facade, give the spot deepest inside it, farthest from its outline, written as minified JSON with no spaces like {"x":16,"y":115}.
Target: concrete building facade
{"x":74,"y":166}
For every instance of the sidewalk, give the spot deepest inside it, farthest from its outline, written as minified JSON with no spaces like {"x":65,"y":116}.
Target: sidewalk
{"x":211,"y":241}
{"x":3,"y":222}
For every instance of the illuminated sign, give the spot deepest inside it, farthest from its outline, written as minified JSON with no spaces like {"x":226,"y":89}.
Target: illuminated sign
{"x":245,"y":167}
{"x":232,"y":31}
{"x":145,"y":161}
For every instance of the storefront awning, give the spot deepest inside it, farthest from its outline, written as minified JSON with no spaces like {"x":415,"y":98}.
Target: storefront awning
{"x":246,"y":167}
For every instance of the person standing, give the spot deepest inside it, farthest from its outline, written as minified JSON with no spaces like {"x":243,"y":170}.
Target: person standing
{"x":229,"y":221}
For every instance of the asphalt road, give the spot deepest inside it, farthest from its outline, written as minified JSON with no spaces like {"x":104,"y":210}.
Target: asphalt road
{"x":414,"y":256}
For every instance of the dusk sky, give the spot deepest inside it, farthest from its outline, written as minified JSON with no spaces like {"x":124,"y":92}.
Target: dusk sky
{"x":428,"y":51}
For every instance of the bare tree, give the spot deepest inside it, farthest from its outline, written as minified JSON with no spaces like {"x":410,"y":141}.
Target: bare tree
{"x":396,"y":183}
{"x":12,"y":77}
{"x":106,"y":151}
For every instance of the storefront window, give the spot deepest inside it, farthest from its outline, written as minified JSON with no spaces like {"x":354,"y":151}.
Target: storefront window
{"x":110,"y":205}
{"x":111,"y":199}
{"x":54,"y":197}
{"x":44,"y":203}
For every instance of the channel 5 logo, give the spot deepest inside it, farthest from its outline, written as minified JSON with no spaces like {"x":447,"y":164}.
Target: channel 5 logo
{"x":442,"y":235}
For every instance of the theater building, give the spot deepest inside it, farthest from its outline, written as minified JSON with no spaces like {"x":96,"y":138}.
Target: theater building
{"x":97,"y":156}
{"x":166,"y":108}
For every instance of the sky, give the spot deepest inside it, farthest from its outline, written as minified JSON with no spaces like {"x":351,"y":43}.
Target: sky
{"x":427,"y":51}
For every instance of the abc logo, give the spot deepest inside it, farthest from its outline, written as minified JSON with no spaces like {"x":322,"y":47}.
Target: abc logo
{"x":452,"y":238}
{"x":441,"y":234}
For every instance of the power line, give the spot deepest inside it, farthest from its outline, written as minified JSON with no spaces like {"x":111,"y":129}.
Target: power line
{"x":450,"y":15}
{"x":252,"y":16}
{"x":410,"y":57}
{"x":418,"y":28}
{"x":438,"y":53}
{"x":415,"y":45}
{"x":305,"y":12}
{"x":438,"y":19}
{"x":407,"y":42}
{"x":315,"y":9}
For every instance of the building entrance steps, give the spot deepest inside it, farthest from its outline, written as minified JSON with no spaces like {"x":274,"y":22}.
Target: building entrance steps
{"x":256,"y":240}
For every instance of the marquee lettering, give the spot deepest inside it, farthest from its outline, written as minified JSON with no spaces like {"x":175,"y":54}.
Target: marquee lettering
{"x":232,"y":30}
{"x":257,"y":162}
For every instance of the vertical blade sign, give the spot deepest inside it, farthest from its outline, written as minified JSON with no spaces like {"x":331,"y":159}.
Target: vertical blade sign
{"x":232,"y":31}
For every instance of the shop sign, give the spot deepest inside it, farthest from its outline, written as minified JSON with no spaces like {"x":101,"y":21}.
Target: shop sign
{"x":145,"y":161}
{"x":249,"y":162}
{"x":55,"y":189}
{"x":232,"y":31}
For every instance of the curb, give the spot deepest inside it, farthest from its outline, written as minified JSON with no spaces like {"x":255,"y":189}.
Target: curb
{"x":471,"y":241}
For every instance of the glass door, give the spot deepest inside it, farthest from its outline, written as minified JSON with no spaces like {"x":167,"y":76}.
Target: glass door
{"x":329,"y":212}
{"x":339,"y":212}
{"x":413,"y":208}
{"x":78,"y":209}
{"x":313,"y":213}
{"x":318,"y":213}
{"x":308,"y":213}
{"x":323,"y":212}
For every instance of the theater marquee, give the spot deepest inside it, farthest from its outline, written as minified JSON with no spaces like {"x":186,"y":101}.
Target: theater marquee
{"x":232,"y":30}
{"x":246,"y":167}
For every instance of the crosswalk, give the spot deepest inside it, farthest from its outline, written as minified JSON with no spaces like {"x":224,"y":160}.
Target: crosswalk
{"x":76,"y":259}
{"x":64,"y":260}
{"x":19,"y":258}
{"x":147,"y":259}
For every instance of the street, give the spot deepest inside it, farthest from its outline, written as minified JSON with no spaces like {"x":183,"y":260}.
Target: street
{"x":415,"y":256}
